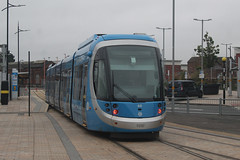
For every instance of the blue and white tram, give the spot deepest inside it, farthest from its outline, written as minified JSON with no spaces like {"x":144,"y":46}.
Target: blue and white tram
{"x":112,"y":83}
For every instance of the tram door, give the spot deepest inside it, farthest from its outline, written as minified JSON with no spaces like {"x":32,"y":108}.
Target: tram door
{"x":84,"y":93}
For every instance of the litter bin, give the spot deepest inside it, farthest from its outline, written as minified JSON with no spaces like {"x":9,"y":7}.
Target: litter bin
{"x":4,"y":93}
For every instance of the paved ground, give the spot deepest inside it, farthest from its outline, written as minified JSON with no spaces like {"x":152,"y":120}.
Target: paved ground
{"x":227,"y":124}
{"x":28,"y":137}
{"x":50,"y":135}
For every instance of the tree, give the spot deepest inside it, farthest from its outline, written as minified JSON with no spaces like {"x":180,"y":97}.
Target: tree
{"x":209,"y":52}
{"x":11,"y":57}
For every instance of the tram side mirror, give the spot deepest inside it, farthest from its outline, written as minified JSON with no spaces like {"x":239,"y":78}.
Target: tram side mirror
{"x":89,"y":54}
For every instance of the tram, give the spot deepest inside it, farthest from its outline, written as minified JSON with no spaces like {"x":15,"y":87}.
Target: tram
{"x":112,"y":83}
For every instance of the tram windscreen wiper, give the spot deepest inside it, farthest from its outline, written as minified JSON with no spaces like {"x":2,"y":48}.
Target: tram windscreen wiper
{"x":132,"y":99}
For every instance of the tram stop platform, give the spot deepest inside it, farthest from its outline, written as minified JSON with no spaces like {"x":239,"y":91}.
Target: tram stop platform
{"x":24,"y":137}
{"x":49,"y":135}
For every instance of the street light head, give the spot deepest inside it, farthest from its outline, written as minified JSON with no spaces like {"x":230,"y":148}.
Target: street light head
{"x":195,"y":19}
{"x":163,"y":28}
{"x":224,"y":59}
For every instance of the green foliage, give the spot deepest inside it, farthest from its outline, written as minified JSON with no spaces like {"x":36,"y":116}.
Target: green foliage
{"x":209,"y":52}
{"x":11,"y":58}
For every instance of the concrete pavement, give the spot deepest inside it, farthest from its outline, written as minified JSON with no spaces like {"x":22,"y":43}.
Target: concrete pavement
{"x":50,"y":135}
{"x":28,"y":137}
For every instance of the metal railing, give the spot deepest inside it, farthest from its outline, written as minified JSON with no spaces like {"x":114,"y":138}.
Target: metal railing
{"x":205,"y":106}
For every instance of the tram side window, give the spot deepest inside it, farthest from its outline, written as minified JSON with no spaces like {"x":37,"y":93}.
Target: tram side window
{"x":99,"y":80}
{"x":77,"y":82}
{"x":64,"y":87}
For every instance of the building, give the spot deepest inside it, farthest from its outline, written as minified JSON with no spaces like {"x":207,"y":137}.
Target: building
{"x":210,"y":74}
{"x":237,"y":53}
{"x":38,"y":70}
{"x":168,"y":69}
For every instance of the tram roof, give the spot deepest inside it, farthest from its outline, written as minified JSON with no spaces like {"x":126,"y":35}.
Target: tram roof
{"x":91,"y":42}
{"x":127,"y":36}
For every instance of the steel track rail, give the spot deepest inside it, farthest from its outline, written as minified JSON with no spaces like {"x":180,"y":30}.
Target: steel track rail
{"x":178,"y":147}
{"x":133,"y":153}
{"x":187,"y":150}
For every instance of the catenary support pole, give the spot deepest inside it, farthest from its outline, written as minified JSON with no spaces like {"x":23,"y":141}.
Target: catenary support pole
{"x":29,"y":82}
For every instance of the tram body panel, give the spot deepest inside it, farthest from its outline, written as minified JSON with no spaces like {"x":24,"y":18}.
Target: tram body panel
{"x":128,"y":95}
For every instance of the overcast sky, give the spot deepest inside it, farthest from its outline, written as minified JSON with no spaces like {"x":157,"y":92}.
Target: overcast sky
{"x":59,"y":26}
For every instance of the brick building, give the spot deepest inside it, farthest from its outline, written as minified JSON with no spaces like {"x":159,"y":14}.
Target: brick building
{"x":168,"y":69}
{"x":237,"y":53}
{"x":38,"y":69}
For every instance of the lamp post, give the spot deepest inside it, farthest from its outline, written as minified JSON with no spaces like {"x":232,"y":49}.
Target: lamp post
{"x":18,"y":31}
{"x":173,"y":53}
{"x":9,"y":6}
{"x":163,"y":49}
{"x":44,"y":66}
{"x":230,"y":71}
{"x":202,"y":72}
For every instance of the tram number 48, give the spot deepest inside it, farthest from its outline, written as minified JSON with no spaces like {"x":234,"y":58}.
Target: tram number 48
{"x":140,"y":125}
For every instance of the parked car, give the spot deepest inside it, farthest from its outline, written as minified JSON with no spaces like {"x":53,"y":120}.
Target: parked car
{"x":184,"y":88}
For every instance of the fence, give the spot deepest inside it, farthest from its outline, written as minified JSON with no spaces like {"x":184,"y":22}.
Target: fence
{"x":205,"y":106}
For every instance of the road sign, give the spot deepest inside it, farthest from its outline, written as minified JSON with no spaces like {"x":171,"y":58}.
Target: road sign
{"x":14,"y":83}
{"x":201,"y":75}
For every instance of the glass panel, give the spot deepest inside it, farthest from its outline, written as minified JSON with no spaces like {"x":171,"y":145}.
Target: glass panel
{"x":99,"y":78}
{"x":134,"y":71}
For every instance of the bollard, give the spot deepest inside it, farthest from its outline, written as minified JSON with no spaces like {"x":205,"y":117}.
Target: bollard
{"x":4,"y":93}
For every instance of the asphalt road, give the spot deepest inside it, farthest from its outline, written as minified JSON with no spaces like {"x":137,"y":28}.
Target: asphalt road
{"x":228,"y":124}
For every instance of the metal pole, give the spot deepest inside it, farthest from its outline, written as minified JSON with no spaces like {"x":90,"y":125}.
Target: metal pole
{"x":173,"y":54}
{"x":29,"y":82}
{"x":44,"y":72}
{"x":202,"y":61}
{"x":8,"y":6}
{"x":163,"y":50}
{"x":18,"y":31}
{"x":230,"y":77}
{"x":226,"y":44}
{"x":202,"y":72}
{"x":224,"y":78}
{"x":18,"y":60}
{"x":18,"y":45}
{"x":163,"y":58}
{"x":238,"y":79}
{"x":7,"y":36}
